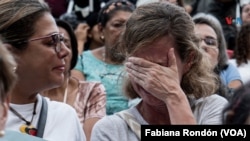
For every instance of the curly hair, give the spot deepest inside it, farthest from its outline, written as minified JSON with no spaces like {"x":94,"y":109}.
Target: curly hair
{"x":242,"y":49}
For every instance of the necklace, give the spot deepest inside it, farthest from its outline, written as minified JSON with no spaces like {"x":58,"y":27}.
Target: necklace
{"x":27,"y":127}
{"x":106,"y":73}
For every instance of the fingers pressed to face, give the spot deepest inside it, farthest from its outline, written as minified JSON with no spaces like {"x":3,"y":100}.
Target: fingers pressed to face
{"x":135,"y":68}
{"x":135,"y":76}
{"x":140,"y":62}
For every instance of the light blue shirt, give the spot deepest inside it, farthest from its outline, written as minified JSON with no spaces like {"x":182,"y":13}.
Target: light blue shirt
{"x":109,"y":75}
{"x":16,"y":136}
{"x":230,"y":74}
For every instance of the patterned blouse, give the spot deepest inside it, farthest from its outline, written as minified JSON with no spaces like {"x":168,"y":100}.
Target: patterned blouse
{"x":90,"y":100}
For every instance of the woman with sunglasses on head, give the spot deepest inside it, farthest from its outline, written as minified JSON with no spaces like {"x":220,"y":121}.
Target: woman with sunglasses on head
{"x":29,"y":31}
{"x":88,"y":98}
{"x":212,"y":41}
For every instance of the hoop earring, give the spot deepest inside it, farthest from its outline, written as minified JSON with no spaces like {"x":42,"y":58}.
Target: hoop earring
{"x":2,"y":133}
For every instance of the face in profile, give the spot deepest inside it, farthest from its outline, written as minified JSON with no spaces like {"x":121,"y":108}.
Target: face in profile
{"x":43,"y":61}
{"x":67,"y":42}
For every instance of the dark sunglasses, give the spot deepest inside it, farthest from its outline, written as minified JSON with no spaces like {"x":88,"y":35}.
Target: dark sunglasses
{"x":57,"y":38}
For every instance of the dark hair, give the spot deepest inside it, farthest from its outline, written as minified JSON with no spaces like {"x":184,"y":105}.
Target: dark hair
{"x":110,"y":9}
{"x":91,"y":20}
{"x":73,"y":18}
{"x":17,"y":22}
{"x":238,"y":109}
{"x":242,"y":50}
{"x":180,"y":3}
{"x":65,"y":25}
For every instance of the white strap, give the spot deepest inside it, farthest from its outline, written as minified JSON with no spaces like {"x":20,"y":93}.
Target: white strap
{"x":70,"y":6}
{"x":132,"y":123}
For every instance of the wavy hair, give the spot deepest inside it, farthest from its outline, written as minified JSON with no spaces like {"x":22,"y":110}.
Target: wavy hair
{"x":154,"y":20}
{"x":242,"y":49}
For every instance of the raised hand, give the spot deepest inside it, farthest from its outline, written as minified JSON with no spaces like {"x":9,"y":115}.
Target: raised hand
{"x":158,"y":80}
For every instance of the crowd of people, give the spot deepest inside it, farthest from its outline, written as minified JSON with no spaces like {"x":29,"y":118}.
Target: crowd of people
{"x":128,"y":63}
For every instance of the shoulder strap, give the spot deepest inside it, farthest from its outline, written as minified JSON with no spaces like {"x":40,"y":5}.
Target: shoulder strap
{"x":131,"y":121}
{"x":42,"y":118}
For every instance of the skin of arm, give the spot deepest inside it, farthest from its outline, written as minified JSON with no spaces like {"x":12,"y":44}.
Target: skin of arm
{"x":235,"y":84}
{"x":81,"y":33}
{"x":88,"y":125}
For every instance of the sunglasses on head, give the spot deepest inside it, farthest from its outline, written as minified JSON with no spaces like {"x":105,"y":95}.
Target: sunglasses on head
{"x":57,"y":38}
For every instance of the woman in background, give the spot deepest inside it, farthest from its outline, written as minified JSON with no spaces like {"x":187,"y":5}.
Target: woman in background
{"x":104,"y":64}
{"x":212,"y":41}
{"x":241,"y":58}
{"x":88,"y":98}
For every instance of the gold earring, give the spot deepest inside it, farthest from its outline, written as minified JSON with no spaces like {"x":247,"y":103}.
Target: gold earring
{"x":2,"y":133}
